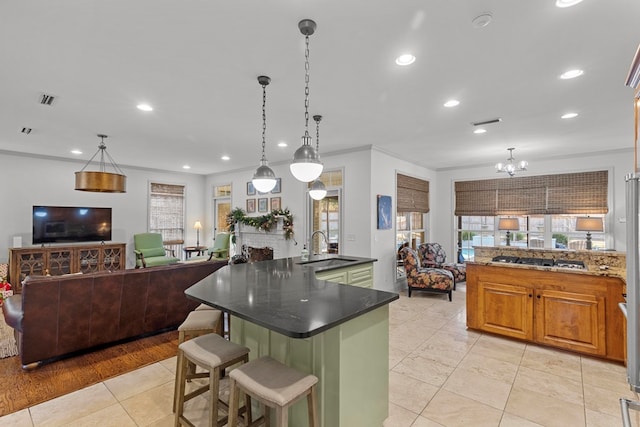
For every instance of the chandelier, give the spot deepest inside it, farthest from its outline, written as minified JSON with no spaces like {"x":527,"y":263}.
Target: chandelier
{"x":264,"y":180}
{"x":306,"y":166}
{"x":101,"y":181}
{"x":510,"y":166}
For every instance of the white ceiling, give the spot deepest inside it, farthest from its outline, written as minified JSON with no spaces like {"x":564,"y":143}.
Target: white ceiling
{"x":196,"y":62}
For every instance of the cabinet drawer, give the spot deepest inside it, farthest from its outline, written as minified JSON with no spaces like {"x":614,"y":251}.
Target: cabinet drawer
{"x":339,"y":276}
{"x":360,"y":274}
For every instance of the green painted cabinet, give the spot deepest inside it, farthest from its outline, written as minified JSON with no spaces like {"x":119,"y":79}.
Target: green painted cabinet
{"x":359,"y":275}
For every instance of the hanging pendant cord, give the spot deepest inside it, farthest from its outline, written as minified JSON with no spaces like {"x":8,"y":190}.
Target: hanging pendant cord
{"x":306,"y":86}
{"x":264,"y":119}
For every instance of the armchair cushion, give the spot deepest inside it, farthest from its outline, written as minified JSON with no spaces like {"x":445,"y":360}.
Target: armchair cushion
{"x":220,"y":248}
{"x":152,"y":252}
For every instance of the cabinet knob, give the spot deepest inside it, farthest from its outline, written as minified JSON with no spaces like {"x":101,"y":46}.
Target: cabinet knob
{"x":530,"y":295}
{"x":538,"y":296}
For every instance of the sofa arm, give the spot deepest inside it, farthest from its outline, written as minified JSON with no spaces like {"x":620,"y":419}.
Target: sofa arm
{"x":12,"y":311}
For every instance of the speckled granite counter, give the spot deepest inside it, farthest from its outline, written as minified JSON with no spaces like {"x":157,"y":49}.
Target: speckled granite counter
{"x":599,"y":263}
{"x":340,"y":333}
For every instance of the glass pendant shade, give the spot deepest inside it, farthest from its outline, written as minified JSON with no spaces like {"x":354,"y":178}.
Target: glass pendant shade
{"x":317,"y":191}
{"x":305,"y":166}
{"x":264,"y":180}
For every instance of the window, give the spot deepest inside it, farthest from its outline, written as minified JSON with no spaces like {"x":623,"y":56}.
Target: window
{"x":166,"y":211}
{"x":536,"y":231}
{"x":410,"y":228}
{"x":546,"y":207}
{"x":326,"y":214}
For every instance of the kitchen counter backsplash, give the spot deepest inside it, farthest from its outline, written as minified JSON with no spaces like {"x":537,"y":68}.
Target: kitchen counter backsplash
{"x":604,"y":263}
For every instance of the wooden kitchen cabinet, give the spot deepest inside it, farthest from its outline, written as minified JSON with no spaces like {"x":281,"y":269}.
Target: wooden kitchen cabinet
{"x":572,"y":311}
{"x":506,"y":309}
{"x":57,"y":260}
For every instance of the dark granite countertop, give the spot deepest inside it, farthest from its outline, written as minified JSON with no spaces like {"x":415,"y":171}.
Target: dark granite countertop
{"x":284,"y":295}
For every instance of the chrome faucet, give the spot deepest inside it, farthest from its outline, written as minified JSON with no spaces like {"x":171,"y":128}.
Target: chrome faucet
{"x":326,"y":241}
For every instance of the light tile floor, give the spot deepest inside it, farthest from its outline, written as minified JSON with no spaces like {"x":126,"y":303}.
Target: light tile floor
{"x":440,"y":374}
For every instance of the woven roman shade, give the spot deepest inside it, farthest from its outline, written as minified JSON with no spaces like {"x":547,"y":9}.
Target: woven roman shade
{"x":571,"y":193}
{"x":578,"y":193}
{"x":412,"y":194}
{"x":476,"y":197}
{"x":166,"y":210}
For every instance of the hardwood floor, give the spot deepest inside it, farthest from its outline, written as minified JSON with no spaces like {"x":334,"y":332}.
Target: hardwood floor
{"x":20,"y":389}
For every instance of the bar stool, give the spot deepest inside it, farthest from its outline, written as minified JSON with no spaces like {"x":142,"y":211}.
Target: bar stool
{"x":212,"y":353}
{"x":198,"y":322}
{"x":275,"y":385}
{"x":226,"y":320}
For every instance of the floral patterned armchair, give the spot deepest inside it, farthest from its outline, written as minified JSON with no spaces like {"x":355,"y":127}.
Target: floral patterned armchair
{"x":432,"y":255}
{"x":425,"y":279}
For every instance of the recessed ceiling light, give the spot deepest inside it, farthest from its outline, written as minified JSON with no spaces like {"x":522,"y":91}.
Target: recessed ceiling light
{"x":567,"y":3}
{"x":569,"y":116}
{"x":144,"y":107}
{"x":452,"y":103}
{"x":76,"y":152}
{"x":571,"y":74}
{"x":479,"y":131}
{"x":225,"y":158}
{"x":282,"y":144}
{"x":482,"y":20}
{"x":186,"y":167}
{"x":405,"y":59}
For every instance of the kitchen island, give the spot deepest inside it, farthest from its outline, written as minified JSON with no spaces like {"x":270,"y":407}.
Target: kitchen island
{"x":338,"y":332}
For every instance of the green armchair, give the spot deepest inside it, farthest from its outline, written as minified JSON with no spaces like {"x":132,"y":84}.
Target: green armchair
{"x":220,"y":248}
{"x":150,"y":251}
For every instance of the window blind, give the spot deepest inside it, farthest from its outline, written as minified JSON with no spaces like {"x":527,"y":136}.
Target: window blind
{"x":166,"y":211}
{"x":412,"y":194}
{"x":571,"y":193}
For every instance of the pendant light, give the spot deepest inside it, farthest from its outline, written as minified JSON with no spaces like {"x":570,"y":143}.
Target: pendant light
{"x":101,"y":181}
{"x":306,"y":166}
{"x":317,"y":191}
{"x":264,"y":180}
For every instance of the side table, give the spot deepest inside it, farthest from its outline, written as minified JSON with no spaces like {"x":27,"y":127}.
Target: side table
{"x":188,"y":250}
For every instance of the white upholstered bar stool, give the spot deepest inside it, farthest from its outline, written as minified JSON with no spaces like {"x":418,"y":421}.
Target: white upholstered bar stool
{"x":225,"y":321}
{"x":198,"y":322}
{"x":275,"y":385}
{"x":214,"y":354}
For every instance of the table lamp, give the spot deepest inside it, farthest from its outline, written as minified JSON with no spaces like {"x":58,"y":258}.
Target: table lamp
{"x":509,"y":224}
{"x":589,"y":224}
{"x":197,"y":226}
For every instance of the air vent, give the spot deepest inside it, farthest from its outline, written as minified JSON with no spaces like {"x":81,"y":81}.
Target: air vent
{"x":46,"y":99}
{"x":487,"y":122}
{"x":26,"y":131}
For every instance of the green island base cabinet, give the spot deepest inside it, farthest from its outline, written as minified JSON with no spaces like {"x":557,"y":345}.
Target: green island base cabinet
{"x":350,"y":360}
{"x":322,"y":318}
{"x":359,"y":275}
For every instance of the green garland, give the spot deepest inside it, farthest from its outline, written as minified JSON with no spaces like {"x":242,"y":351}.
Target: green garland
{"x":264,"y":222}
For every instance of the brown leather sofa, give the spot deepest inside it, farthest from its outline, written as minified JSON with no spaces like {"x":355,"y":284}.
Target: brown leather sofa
{"x":59,"y":316}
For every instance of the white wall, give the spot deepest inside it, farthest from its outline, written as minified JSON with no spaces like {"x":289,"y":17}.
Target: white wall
{"x":383,"y":182}
{"x":356,"y":238}
{"x":29,"y":181}
{"x":619,"y":164}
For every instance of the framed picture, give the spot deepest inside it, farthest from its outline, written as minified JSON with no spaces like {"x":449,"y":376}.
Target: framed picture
{"x":384,"y":212}
{"x":263,"y":204}
{"x":275,"y":203}
{"x":251,"y":205}
{"x":251,"y":190}
{"x":277,"y":188}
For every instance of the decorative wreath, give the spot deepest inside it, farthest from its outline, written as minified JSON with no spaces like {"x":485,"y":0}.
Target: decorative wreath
{"x":264,"y":222}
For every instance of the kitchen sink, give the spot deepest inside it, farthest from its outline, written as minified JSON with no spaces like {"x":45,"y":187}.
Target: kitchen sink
{"x":326,"y":262}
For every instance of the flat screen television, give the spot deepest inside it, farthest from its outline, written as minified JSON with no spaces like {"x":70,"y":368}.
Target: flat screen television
{"x":70,"y":224}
